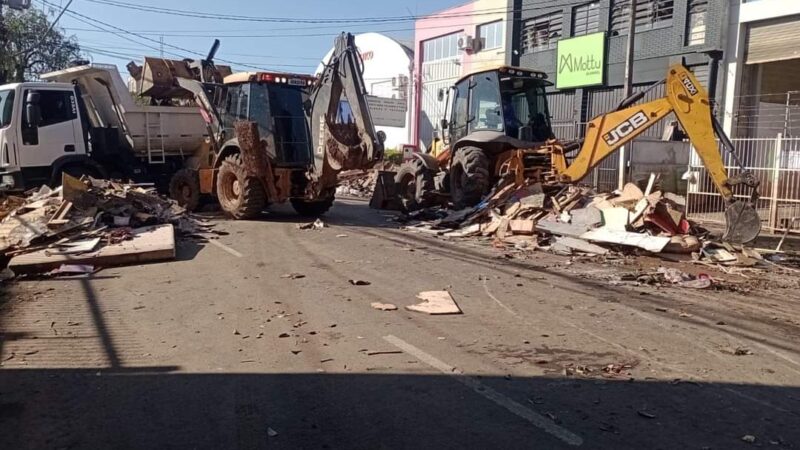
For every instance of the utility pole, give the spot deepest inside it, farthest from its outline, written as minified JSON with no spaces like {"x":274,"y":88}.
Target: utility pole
{"x":3,"y":41}
{"x":625,"y":150}
{"x":161,"y":46}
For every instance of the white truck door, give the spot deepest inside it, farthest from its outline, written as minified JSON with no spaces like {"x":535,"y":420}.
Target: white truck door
{"x":58,"y":133}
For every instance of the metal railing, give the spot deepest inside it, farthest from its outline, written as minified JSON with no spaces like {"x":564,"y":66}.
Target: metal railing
{"x":775,"y":162}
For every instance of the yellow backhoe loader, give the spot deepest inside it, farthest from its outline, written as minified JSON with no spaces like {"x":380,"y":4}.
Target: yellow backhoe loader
{"x":499,"y":126}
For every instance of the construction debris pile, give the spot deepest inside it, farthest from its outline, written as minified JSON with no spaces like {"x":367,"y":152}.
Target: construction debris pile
{"x":361,"y":183}
{"x":87,"y":224}
{"x":575,"y":220}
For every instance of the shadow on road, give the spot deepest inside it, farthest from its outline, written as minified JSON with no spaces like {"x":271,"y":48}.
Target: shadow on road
{"x":146,"y":409}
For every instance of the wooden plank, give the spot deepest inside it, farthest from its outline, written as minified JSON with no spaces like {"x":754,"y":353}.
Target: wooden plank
{"x":149,"y":244}
{"x":522,"y":226}
{"x":435,"y":302}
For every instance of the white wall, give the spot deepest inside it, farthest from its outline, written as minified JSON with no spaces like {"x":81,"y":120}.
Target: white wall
{"x":742,"y":14}
{"x":384,"y":60}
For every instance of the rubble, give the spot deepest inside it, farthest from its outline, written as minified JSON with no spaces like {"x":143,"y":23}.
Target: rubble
{"x":91,"y":222}
{"x":361,"y":183}
{"x":575,"y":220}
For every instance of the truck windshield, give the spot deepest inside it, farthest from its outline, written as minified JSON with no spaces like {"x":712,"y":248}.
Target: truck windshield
{"x":279,"y":109}
{"x":525,"y":108}
{"x":6,"y":107}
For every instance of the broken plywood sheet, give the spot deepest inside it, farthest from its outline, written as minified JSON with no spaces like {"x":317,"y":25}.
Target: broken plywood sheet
{"x":580,"y":245}
{"x":148,"y":244}
{"x":435,"y":303}
{"x":653,"y":244}
{"x":560,"y":228}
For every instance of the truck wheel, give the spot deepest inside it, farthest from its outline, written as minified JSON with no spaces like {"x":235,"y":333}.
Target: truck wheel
{"x":240,"y":196}
{"x":414,"y":185}
{"x":184,"y":188}
{"x":312,"y":209}
{"x":470,"y":178}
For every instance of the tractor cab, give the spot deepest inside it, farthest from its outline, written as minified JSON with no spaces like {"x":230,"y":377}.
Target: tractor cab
{"x":275,"y":102}
{"x":506,"y":101}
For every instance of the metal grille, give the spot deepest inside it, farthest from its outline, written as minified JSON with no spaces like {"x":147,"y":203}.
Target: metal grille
{"x":585,"y":19}
{"x":776,"y":164}
{"x":649,"y":14}
{"x":541,"y":33}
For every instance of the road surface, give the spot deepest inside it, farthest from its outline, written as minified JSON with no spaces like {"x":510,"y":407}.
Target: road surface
{"x":221,"y":349}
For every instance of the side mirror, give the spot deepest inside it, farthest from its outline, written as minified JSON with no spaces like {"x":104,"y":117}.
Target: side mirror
{"x":381,"y":136}
{"x":440,"y":95}
{"x":444,"y":124}
{"x":33,"y":112}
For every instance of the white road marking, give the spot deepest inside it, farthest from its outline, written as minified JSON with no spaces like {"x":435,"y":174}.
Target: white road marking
{"x":534,"y":418}
{"x":225,"y":247}
{"x":486,"y":288}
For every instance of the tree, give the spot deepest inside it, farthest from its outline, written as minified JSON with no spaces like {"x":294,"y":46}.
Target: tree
{"x":30,"y":49}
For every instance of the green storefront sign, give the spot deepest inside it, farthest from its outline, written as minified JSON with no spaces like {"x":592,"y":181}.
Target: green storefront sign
{"x":581,"y":61}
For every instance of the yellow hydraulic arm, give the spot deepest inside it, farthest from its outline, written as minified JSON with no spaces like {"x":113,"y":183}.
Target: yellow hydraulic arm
{"x":607,"y":133}
{"x":688,"y":99}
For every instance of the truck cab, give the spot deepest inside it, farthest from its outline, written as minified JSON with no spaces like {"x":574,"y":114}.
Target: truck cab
{"x":40,"y":127}
{"x":83,"y":120}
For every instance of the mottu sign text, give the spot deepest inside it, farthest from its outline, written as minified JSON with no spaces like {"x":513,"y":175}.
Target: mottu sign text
{"x":581,"y":61}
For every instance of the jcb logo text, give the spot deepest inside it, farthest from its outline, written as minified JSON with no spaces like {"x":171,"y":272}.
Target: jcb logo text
{"x":627,"y":127}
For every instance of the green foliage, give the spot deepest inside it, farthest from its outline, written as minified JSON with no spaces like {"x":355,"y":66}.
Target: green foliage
{"x":393,"y":156}
{"x":30,"y":50}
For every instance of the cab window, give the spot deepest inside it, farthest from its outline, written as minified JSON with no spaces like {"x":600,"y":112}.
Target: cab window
{"x":56,"y":107}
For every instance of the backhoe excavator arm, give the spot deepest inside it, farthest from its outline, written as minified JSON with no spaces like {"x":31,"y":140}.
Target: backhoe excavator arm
{"x":342,"y":145}
{"x":689,"y":101}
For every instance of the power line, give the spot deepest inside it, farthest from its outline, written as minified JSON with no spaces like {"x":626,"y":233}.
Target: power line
{"x":232,"y":17}
{"x":93,"y":22}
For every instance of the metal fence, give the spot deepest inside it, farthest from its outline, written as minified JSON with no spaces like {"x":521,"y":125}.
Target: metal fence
{"x":605,"y":176}
{"x":776,"y":164}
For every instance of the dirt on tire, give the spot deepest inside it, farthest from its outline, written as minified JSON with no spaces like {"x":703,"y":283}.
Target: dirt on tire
{"x":470,"y":178}
{"x":184,"y":188}
{"x":240,"y":196}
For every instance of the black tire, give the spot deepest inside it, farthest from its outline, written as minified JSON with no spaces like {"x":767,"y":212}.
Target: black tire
{"x":184,"y":188}
{"x":470,"y":178}
{"x":239,"y":195}
{"x":312,"y":209}
{"x":414,"y":185}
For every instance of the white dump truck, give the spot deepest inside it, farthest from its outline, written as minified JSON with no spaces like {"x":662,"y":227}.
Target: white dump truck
{"x":84,"y":121}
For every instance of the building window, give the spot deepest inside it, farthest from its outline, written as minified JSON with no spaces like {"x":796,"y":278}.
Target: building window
{"x":585,"y":19}
{"x":541,"y":33}
{"x":650,"y":14}
{"x":491,"y":35}
{"x":442,"y":47}
{"x":696,"y":22}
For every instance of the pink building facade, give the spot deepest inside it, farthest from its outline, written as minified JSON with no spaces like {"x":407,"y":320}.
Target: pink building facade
{"x":448,"y":45}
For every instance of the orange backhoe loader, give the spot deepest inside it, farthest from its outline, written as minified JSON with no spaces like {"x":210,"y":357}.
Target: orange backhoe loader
{"x":498,"y":123}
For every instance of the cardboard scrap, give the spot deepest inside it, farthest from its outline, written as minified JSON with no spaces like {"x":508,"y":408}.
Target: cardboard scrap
{"x":435,"y":303}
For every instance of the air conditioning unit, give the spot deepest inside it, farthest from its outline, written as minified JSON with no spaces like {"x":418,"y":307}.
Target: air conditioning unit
{"x":468,"y":44}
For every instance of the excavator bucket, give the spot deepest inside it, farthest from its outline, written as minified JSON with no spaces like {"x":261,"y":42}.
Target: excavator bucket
{"x":159,"y":77}
{"x":343,"y":132}
{"x":743,"y":223}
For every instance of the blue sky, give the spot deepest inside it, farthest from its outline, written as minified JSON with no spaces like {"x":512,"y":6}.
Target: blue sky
{"x":288,"y":46}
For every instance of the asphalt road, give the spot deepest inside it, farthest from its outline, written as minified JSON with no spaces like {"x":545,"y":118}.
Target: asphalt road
{"x":220,"y":350}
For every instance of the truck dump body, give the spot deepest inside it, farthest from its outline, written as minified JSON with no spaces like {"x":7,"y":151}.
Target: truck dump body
{"x":148,"y":129}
